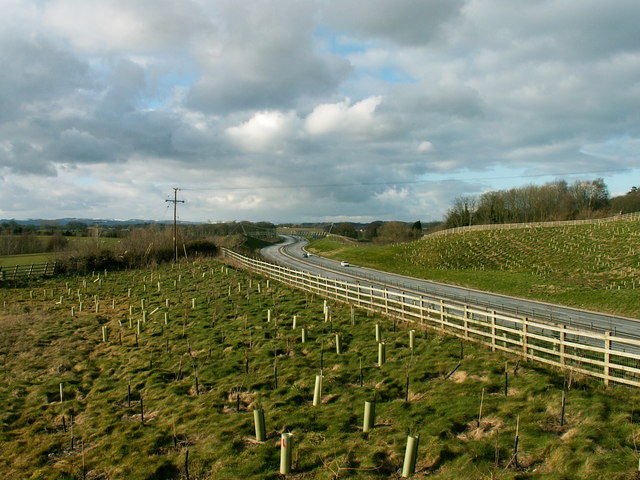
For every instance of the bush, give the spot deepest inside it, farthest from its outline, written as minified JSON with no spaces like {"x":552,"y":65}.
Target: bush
{"x":201,"y":248}
{"x":57,"y":242}
{"x":142,"y":247}
{"x":79,"y":262}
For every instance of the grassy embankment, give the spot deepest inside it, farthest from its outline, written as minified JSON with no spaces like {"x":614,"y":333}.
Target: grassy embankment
{"x":188,"y":377}
{"x":596,"y":267}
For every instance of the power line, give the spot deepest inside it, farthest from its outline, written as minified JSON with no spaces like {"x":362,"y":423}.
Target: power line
{"x":175,"y":202}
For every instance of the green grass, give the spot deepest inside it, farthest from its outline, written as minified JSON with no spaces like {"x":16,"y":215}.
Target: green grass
{"x":26,"y":259}
{"x":596,"y":267}
{"x":42,"y":345}
{"x":254,"y":244}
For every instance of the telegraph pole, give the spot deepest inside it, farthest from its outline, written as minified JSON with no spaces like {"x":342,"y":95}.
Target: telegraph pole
{"x":175,"y":202}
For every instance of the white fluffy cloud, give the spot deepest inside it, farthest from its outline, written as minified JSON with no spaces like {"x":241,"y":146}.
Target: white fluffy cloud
{"x":358,"y":120}
{"x":265,"y":131}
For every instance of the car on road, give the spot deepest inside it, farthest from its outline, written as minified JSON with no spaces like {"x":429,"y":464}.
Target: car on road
{"x":344,"y":264}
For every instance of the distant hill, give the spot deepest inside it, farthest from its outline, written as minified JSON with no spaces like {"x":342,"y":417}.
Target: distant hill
{"x":91,"y":221}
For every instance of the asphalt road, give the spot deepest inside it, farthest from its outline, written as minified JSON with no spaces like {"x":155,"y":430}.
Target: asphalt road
{"x":290,"y":254}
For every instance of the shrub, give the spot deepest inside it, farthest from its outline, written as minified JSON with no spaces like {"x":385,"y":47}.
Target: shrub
{"x":201,"y":248}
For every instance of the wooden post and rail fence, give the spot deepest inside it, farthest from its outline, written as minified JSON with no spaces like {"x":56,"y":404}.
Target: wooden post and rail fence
{"x":607,"y":356}
{"x":16,"y":272}
{"x":519,"y":226}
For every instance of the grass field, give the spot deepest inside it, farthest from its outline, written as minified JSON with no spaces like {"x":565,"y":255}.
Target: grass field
{"x":134,"y":405}
{"x":43,"y":257}
{"x":596,"y":267}
{"x":26,"y":259}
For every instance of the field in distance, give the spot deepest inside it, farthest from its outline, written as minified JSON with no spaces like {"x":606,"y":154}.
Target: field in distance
{"x":133,"y":403}
{"x":42,"y":256}
{"x":596,"y":267}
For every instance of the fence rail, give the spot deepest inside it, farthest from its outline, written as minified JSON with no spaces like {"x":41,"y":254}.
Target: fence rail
{"x":16,"y":272}
{"x":602,"y":355}
{"x":514,"y":226}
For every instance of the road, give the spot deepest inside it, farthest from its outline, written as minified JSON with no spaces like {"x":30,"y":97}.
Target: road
{"x":290,"y":254}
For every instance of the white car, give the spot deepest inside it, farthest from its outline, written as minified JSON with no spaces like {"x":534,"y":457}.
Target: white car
{"x":344,"y":264}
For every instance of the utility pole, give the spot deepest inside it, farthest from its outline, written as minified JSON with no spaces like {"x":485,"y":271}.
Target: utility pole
{"x":175,"y":202}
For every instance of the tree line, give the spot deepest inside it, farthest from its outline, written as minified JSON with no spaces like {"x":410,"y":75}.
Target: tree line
{"x":553,"y":201}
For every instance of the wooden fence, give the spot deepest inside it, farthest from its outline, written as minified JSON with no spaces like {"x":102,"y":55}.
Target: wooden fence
{"x":514,"y":226}
{"x":605,"y":356}
{"x":21,"y":271}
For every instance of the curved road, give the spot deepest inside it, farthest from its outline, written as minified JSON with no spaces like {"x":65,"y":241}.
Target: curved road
{"x":290,"y":254}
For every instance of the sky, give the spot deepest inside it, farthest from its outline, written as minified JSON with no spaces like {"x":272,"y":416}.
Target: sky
{"x":309,"y":110}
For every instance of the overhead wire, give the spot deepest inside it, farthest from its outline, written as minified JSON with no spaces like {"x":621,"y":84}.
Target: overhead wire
{"x":407,"y":182}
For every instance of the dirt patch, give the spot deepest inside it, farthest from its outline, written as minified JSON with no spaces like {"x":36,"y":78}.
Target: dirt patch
{"x":459,"y":376}
{"x":415,"y":397}
{"x":488,"y":426}
{"x":247,"y":402}
{"x":330,"y":398}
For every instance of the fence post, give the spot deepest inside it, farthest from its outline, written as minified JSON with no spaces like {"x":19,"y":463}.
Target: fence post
{"x":371,"y":297}
{"x":466,"y":321}
{"x":386,"y":300}
{"x":607,"y":357}
{"x":563,"y":335}
{"x":442,"y":316}
{"x":525,"y":338}
{"x":493,"y":330}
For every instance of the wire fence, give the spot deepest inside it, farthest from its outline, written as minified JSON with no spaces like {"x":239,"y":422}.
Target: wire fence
{"x":603,"y":355}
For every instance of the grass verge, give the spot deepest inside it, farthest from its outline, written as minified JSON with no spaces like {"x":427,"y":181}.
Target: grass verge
{"x":596,"y":267}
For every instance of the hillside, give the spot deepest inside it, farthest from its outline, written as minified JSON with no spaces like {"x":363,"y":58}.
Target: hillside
{"x":173,"y":398}
{"x":596,"y":267}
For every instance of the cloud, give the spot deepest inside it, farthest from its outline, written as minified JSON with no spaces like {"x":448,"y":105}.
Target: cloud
{"x":356,"y":120}
{"x":268,"y":130}
{"x":425,"y":147}
{"x":124,"y":26}
{"x":341,"y":111}
{"x":407,"y":22}
{"x":264,"y":59}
